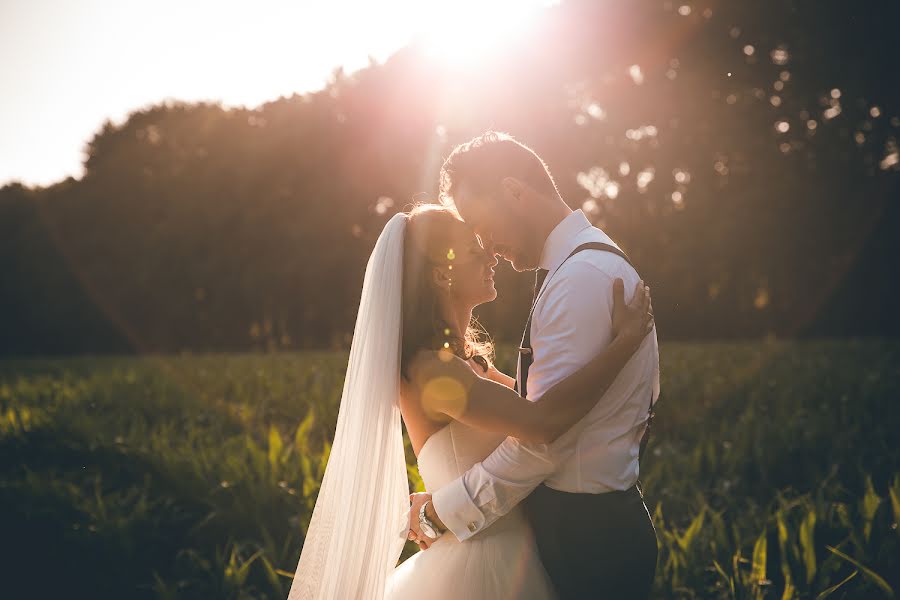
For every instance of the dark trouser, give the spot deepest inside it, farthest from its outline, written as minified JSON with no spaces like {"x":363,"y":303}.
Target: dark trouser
{"x":594,"y":545}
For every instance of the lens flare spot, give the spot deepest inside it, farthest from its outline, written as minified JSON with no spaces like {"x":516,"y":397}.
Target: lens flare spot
{"x":445,"y":355}
{"x":451,"y":254}
{"x":444,"y":395}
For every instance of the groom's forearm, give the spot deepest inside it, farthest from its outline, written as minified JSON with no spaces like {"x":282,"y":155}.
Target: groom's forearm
{"x":490,"y":489}
{"x":455,"y":509}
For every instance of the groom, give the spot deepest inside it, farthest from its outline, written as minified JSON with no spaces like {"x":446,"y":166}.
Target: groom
{"x":592,"y":528}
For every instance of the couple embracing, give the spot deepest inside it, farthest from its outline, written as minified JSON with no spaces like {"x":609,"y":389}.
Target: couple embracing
{"x":532,"y":479}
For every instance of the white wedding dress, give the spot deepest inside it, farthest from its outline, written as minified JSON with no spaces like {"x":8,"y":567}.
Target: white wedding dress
{"x":361,"y":518}
{"x":499,"y":563}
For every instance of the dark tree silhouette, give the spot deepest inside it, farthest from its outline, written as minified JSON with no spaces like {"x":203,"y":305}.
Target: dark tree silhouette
{"x":745,"y":155}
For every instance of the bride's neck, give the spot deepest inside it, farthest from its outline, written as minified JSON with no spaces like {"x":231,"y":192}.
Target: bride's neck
{"x":457,"y":318}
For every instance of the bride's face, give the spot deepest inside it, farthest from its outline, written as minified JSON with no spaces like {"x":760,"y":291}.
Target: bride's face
{"x":467,"y":272}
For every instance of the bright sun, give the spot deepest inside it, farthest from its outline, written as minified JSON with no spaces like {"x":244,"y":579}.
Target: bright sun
{"x":466,"y":30}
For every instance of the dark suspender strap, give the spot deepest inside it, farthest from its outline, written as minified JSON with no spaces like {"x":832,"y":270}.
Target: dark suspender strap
{"x":526,"y":337}
{"x":525,"y":346}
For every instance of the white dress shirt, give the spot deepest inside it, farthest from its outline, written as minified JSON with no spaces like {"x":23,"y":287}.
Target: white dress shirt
{"x":572,"y":323}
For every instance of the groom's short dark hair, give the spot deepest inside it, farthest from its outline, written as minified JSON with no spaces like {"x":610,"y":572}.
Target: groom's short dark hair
{"x":483,"y":162}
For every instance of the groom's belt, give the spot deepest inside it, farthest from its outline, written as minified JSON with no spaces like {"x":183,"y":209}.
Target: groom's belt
{"x":610,"y":496}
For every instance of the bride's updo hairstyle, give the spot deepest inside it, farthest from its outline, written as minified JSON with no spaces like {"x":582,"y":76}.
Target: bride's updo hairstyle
{"x":429,"y":234}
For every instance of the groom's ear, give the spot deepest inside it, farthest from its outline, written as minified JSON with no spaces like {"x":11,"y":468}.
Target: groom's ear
{"x":513,"y":187}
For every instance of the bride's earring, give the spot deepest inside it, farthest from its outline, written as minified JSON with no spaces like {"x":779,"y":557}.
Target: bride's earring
{"x":451,"y":256}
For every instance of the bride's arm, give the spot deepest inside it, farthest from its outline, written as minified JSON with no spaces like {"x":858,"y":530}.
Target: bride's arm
{"x":449,"y":386}
{"x":498,"y":376}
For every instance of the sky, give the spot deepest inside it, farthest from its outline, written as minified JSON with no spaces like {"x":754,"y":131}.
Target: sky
{"x":68,"y":65}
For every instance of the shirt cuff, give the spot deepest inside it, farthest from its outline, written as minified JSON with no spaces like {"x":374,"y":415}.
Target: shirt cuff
{"x":456,"y":510}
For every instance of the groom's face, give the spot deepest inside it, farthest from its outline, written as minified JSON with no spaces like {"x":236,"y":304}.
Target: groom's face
{"x":501,"y":231}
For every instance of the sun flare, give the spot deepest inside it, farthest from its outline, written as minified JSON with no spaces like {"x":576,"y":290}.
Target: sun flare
{"x":468,"y":30}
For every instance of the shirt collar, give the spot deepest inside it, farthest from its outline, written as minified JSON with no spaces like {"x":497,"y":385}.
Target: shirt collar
{"x":561,"y":240}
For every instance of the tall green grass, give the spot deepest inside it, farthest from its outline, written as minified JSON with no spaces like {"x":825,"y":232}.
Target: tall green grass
{"x":773,"y":472}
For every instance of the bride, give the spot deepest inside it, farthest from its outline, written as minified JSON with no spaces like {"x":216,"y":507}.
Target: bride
{"x":416,"y":353}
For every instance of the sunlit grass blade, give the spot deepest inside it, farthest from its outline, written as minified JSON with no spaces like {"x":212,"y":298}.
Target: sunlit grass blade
{"x":875,"y":577}
{"x":895,"y":498}
{"x":807,"y":544}
{"x":869,"y":506}
{"x":758,"y":570}
{"x":729,"y":581}
{"x":824,"y":594}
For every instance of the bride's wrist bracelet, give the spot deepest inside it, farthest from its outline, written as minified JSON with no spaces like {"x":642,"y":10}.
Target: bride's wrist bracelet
{"x":428,"y":528}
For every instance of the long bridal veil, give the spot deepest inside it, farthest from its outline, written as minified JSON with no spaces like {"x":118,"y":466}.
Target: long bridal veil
{"x":360,"y":520}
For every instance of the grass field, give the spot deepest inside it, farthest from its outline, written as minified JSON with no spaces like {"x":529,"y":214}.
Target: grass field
{"x":774,"y":471}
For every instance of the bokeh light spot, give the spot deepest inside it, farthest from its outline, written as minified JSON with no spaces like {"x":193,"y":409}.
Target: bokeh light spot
{"x":590,"y":206}
{"x":637,"y":76}
{"x":831,"y":112}
{"x":444,"y":394}
{"x":780,"y":55}
{"x":611,"y":189}
{"x":383,"y":204}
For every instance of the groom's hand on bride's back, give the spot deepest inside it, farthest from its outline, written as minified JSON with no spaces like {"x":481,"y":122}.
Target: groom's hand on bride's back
{"x":634,"y":319}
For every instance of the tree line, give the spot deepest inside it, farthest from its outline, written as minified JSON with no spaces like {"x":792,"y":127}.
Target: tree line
{"x":745,"y":157}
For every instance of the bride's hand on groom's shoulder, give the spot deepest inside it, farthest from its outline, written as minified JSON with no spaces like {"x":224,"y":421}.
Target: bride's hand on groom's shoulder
{"x":633,"y":320}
